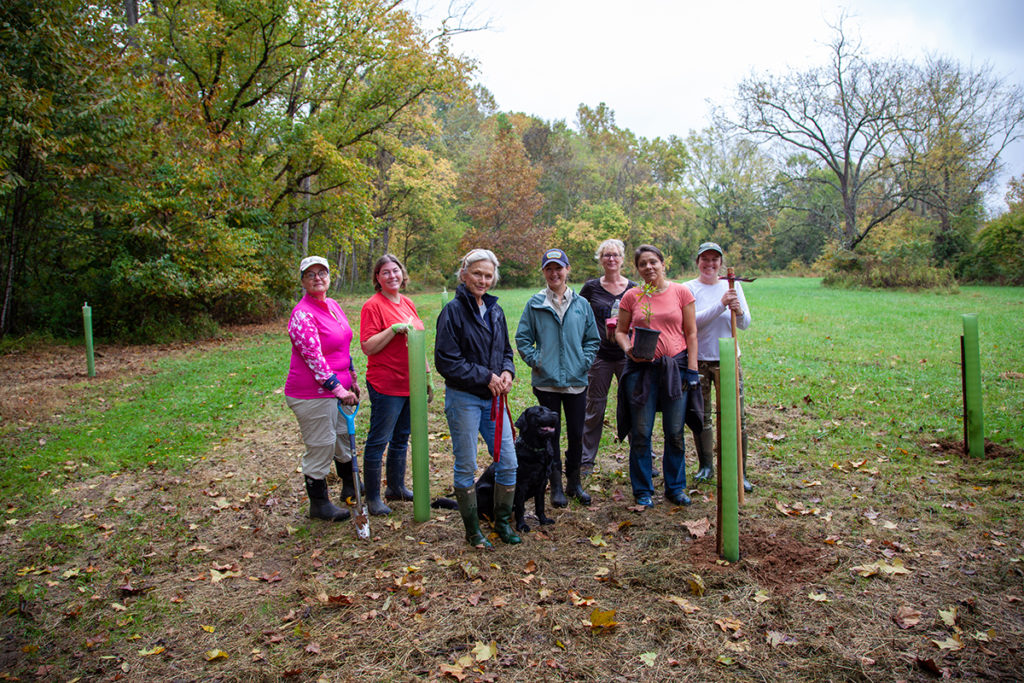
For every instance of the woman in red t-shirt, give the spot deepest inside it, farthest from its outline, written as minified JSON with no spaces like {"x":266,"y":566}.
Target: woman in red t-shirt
{"x":386,"y":318}
{"x":662,"y":382}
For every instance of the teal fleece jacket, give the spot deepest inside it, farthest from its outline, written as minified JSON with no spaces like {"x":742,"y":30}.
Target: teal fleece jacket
{"x":559,"y":352}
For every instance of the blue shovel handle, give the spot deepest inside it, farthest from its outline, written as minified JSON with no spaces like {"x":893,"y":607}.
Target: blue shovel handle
{"x":350,"y":420}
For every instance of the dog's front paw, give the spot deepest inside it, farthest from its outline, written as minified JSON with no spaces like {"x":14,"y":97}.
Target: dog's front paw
{"x":546,"y":520}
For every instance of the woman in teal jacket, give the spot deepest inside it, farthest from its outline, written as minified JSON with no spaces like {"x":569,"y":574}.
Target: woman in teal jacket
{"x":558,"y":338}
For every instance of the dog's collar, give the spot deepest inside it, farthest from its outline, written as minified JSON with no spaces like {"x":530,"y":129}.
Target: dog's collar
{"x":535,"y":450}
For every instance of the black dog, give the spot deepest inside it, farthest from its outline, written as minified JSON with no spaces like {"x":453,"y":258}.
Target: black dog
{"x":535,"y":453}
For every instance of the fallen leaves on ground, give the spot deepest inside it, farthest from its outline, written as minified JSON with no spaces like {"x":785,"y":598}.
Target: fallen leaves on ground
{"x":729,"y":624}
{"x":951,"y":643}
{"x":684,"y":604}
{"x":602,"y":620}
{"x":907,"y":617}
{"x":698,"y":528}
{"x":881,"y":567}
{"x":777,"y":638}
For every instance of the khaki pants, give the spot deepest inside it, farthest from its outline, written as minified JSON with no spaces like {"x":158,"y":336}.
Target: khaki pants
{"x":324,"y":432}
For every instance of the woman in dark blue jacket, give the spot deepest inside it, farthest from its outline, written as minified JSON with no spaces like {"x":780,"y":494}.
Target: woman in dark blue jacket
{"x":473,"y":354}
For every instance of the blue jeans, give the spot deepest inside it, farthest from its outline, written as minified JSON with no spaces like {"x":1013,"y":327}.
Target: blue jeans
{"x":673,"y":462}
{"x":468,"y":416}
{"x":389,"y":426}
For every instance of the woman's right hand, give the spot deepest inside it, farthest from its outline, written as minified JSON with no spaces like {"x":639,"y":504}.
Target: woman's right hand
{"x":500,"y":384}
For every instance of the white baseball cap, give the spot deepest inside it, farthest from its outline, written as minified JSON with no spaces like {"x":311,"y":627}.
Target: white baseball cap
{"x":311,"y":261}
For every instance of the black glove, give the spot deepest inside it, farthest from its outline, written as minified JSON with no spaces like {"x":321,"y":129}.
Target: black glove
{"x":692,"y":378}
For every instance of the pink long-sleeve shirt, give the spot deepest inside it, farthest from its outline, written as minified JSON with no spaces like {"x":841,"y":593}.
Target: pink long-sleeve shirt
{"x":321,"y":341}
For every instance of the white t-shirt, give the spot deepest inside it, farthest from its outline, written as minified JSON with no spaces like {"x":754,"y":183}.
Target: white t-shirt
{"x":713,"y":319}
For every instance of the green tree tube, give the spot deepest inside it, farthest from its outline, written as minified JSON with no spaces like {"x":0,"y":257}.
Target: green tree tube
{"x":729,"y":545}
{"x":90,"y":359}
{"x":418,"y":423}
{"x":974,"y":416}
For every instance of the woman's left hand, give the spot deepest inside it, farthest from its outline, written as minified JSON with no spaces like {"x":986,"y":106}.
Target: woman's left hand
{"x":349,"y":398}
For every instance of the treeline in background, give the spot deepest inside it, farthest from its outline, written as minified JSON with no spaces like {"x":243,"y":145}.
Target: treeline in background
{"x":170,"y":161}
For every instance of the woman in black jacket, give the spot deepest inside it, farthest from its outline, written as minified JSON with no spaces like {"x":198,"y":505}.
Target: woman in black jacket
{"x":473,"y":354}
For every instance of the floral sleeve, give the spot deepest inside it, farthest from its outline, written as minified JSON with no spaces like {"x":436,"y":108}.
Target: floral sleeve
{"x":306,"y":338}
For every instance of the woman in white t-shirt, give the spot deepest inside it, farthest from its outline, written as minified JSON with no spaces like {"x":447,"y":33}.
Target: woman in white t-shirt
{"x":715,"y":303}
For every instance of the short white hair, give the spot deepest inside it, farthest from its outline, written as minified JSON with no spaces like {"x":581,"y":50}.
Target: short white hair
{"x":475,"y":255}
{"x":610,"y":243}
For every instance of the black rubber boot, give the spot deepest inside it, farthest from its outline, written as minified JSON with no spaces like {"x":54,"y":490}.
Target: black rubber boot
{"x":371,"y":480}
{"x":504,"y":497}
{"x":470,"y":519}
{"x":396,"y":479}
{"x":705,"y":444}
{"x":574,"y":489}
{"x":320,"y":505}
{"x":558,"y":498}
{"x":348,"y":487}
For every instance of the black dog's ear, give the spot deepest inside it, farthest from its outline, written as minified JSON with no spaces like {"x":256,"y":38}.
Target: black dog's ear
{"x":521,"y":422}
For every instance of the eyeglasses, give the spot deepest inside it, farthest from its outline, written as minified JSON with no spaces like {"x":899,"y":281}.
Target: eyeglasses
{"x":317,"y":275}
{"x":610,"y":256}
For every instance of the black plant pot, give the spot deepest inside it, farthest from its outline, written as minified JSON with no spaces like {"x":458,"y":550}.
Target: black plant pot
{"x":645,"y":341}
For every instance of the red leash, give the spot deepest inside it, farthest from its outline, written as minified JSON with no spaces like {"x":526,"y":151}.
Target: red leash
{"x":499,"y":408}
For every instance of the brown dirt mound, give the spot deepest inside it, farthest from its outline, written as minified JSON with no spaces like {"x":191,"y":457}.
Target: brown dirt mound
{"x":770,"y":555}
{"x":993,"y":450}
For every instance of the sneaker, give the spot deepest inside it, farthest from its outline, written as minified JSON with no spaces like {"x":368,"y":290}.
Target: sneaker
{"x":645,"y":501}
{"x":678,"y":498}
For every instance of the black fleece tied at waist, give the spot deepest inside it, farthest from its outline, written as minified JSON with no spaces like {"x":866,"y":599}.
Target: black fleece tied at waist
{"x":665,"y":373}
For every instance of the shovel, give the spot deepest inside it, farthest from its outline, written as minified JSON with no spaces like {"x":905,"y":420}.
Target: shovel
{"x":362,"y":517}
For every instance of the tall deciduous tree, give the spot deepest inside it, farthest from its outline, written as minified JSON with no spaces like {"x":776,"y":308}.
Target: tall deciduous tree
{"x":855,"y":116}
{"x":968,"y":118}
{"x":499,"y":194}
{"x":60,"y":117}
{"x":731,"y":182}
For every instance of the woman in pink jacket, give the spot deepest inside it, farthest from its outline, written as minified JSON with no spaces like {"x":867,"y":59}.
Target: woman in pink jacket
{"x":321,"y":374}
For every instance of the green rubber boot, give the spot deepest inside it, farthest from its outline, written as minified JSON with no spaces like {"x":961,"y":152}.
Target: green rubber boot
{"x":467,"y":509}
{"x":504,"y":496}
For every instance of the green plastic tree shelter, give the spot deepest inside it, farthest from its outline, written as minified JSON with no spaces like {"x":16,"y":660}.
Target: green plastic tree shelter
{"x":728,"y":477}
{"x":974,"y":418}
{"x":418,"y":424}
{"x":90,"y":360}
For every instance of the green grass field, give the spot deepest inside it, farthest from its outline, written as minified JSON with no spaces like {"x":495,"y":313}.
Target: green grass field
{"x":879,"y":370}
{"x":121,"y":499}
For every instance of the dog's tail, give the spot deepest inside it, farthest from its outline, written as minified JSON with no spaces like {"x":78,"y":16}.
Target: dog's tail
{"x":445,"y":504}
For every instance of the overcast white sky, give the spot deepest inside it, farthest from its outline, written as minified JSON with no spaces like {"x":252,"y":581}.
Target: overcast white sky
{"x":657,"y":63}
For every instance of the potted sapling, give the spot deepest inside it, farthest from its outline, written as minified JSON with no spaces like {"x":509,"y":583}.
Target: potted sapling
{"x":645,"y":340}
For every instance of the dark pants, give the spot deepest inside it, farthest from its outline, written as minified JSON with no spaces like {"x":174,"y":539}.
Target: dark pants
{"x":575,"y":407}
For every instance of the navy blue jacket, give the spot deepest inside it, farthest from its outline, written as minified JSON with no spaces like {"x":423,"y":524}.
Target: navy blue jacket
{"x":469,"y":349}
